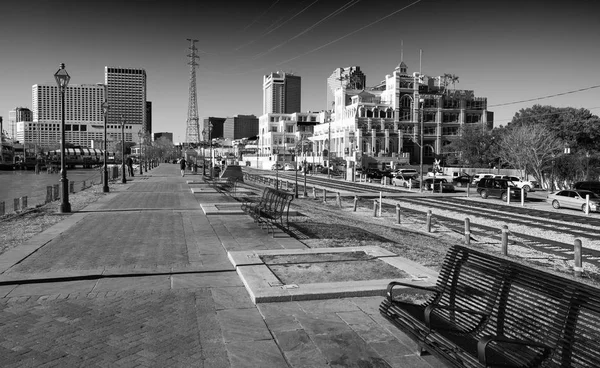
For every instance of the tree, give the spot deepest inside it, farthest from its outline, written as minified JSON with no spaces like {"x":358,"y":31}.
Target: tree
{"x":473,"y":147}
{"x":449,"y":78}
{"x":163,"y":148}
{"x":530,"y":148}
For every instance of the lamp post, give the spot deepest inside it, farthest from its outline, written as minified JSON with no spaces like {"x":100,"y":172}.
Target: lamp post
{"x":203,"y":152}
{"x":105,"y":188}
{"x":62,"y":79}
{"x":140,"y":134}
{"x":210,"y":128}
{"x":421,"y":101}
{"x":304,"y":166}
{"x":296,"y":167}
{"x":123,"y":178}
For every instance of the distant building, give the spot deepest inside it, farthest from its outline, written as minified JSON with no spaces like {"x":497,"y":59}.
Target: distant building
{"x":281,"y":93}
{"x":241,"y":126}
{"x":350,"y":77}
{"x":279,"y":133}
{"x":148,"y":126}
{"x":217,"y":128}
{"x":126,"y":95}
{"x":166,"y":135}
{"x":19,"y":114}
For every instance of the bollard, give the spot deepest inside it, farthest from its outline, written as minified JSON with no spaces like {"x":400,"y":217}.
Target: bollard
{"x":398,"y":219}
{"x":71,"y":187}
{"x":83,"y":185}
{"x":314,"y":193}
{"x":587,"y":204}
{"x":468,"y":189}
{"x":23,"y":203}
{"x":56,"y":194}
{"x":49,"y":194}
{"x":16,"y":204}
{"x":505,"y":240}
{"x":324,"y":195}
{"x":375,"y":208}
{"x":2,"y":210}
{"x":522,"y":197}
{"x":380,"y":204}
{"x":577,"y":258}
{"x":467,"y":231}
{"x":355,"y":203}
{"x":428,"y":223}
{"x":338,"y":199}
{"x":508,"y":195}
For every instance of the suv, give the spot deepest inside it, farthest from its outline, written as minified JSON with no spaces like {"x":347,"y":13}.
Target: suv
{"x":592,"y":186}
{"x":492,"y":187}
{"x":519,"y":183}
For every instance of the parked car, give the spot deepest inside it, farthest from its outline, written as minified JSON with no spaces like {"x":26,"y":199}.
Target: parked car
{"x":405,"y":172}
{"x":431,"y":183}
{"x":462,"y":180}
{"x":276,"y":167}
{"x":405,"y":181}
{"x":498,"y":188}
{"x":528,"y":185}
{"x":478,"y":177}
{"x":289,"y":167}
{"x":574,"y":199}
{"x":593,"y":186}
{"x":332,"y":172}
{"x":374,"y":174}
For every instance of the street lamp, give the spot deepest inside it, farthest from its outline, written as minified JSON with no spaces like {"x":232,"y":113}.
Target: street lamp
{"x":62,"y":79}
{"x":210,"y":128}
{"x":105,"y":169}
{"x":203,"y":152}
{"x":123,"y":178}
{"x":140,"y":134}
{"x":421,"y":103}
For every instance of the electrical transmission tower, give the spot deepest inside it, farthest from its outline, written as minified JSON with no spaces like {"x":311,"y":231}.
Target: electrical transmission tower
{"x":192,"y":134}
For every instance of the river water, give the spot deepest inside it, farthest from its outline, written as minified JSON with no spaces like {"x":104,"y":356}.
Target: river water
{"x":19,"y":183}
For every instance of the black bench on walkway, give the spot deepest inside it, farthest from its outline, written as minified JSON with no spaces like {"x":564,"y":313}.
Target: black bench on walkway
{"x":227,"y":186}
{"x":490,"y":311}
{"x":271,"y":210}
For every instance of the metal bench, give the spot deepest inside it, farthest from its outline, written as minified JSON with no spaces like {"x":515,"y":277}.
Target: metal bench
{"x":271,"y":210}
{"x":490,"y":311}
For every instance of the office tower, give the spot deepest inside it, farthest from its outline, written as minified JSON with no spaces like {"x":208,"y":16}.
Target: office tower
{"x":16,"y":115}
{"x":126,"y":95}
{"x":281,"y":93}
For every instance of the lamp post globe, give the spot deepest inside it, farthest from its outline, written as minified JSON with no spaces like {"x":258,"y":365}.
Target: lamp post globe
{"x":140,"y":134}
{"x":62,"y":79}
{"x":123,"y":178}
{"x":105,"y":188}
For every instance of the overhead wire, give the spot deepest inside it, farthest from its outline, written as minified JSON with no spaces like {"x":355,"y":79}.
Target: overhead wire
{"x":260,"y":16}
{"x":545,"y":97}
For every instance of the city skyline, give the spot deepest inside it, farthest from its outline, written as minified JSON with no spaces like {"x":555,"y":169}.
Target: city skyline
{"x":505,"y":51}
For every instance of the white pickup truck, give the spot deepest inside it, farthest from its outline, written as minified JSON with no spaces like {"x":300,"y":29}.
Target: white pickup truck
{"x":457,"y":178}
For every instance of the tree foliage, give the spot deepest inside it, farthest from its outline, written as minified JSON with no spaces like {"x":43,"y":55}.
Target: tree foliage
{"x":473,"y":147}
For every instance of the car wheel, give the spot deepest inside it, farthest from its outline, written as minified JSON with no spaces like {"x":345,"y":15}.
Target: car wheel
{"x":583,"y":208}
{"x":526,"y":188}
{"x":504,"y":196}
{"x":394,"y":183}
{"x":555,"y":204}
{"x":459,"y":184}
{"x":484,"y":194}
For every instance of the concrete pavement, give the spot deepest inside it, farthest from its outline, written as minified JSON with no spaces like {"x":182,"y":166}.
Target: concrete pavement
{"x":141,"y":278}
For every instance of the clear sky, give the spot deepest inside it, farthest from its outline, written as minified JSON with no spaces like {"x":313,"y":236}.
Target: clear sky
{"x":504,"y":50}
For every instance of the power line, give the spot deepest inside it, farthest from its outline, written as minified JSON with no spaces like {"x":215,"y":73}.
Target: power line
{"x":260,"y":16}
{"x":545,"y":97}
{"x":349,"y":34}
{"x":540,"y":115}
{"x":336,"y":12}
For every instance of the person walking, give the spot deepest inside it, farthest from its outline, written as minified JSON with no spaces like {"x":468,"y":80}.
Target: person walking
{"x":182,"y":166}
{"x":129,"y":163}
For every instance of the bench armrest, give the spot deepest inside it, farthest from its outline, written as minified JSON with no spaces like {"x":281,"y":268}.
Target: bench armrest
{"x":482,"y":345}
{"x":391,"y":285}
{"x":430,"y":308}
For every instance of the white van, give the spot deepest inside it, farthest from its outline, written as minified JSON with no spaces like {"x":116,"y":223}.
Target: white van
{"x":478,"y":177}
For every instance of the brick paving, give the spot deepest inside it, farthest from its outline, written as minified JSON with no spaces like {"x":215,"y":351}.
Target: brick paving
{"x":141,"y":279}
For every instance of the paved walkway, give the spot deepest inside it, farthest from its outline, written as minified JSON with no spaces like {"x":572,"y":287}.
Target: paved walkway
{"x":141,"y":278}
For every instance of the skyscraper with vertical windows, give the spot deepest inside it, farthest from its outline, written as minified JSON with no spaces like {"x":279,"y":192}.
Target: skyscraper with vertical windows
{"x":281,"y":93}
{"x":126,"y":95}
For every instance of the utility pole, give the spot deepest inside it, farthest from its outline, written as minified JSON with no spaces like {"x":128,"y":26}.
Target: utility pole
{"x":192,"y":129}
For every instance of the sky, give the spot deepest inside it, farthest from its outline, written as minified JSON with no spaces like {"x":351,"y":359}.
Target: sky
{"x":508,"y":51}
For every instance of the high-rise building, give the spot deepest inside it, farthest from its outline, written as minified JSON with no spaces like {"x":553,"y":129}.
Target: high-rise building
{"x":148,"y":126}
{"x":241,"y":126}
{"x":84,"y":121}
{"x":281,"y":93}
{"x":126,"y":94}
{"x":217,"y":128}
{"x":18,"y":114}
{"x":166,"y":135}
{"x":350,"y":77}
